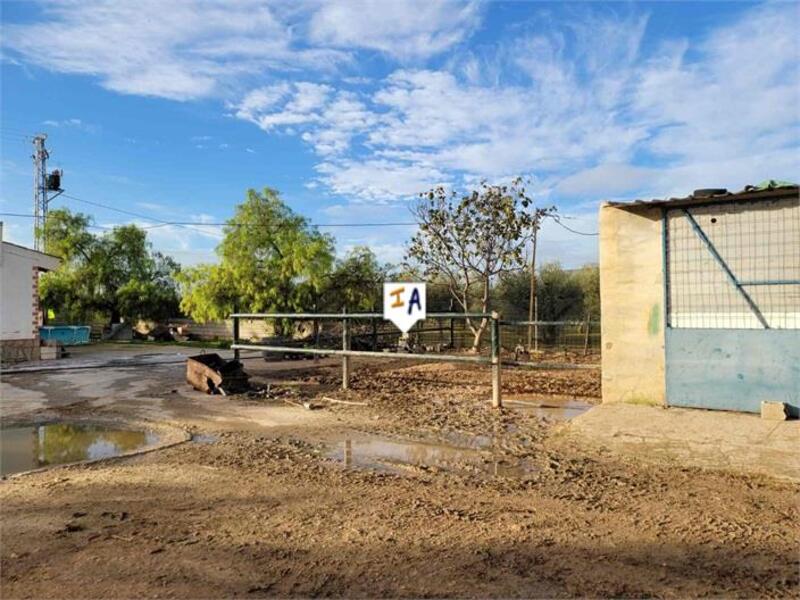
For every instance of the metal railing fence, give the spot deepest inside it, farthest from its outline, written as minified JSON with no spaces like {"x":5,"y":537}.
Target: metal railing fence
{"x":346,"y":321}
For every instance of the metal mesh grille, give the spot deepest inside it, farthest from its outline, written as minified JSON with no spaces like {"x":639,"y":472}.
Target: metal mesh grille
{"x":759,"y":242}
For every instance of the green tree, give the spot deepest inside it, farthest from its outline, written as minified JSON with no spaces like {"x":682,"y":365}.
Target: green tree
{"x":588,"y":278}
{"x":511,"y":295}
{"x":113,"y":276}
{"x":356,"y":282}
{"x":469,"y":241}
{"x":559,"y":295}
{"x":270,"y":259}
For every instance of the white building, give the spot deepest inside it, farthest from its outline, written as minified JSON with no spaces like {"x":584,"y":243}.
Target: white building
{"x":20,"y":314}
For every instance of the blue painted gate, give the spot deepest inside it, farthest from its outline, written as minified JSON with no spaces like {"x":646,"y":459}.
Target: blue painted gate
{"x":732,"y":285}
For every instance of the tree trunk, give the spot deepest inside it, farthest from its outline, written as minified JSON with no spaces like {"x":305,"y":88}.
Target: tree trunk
{"x":476,"y":342}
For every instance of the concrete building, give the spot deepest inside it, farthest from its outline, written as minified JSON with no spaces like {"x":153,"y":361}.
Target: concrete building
{"x":700,"y":300}
{"x":20,"y":315}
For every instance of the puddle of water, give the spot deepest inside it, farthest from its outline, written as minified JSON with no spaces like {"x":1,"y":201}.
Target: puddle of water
{"x":553,"y":408}
{"x":394,"y":455}
{"x":36,"y":446}
{"x":204,"y":438}
{"x":467,"y":440}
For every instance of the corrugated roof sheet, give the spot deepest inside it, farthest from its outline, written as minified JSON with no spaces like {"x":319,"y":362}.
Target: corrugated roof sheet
{"x":747,"y":194}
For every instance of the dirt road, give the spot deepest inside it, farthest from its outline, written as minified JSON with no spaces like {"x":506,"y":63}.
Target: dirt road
{"x":423,"y":491}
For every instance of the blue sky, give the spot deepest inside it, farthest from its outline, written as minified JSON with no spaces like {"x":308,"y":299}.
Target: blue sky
{"x":173,"y":109}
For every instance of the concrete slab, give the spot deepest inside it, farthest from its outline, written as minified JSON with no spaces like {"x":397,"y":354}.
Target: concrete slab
{"x":698,"y":438}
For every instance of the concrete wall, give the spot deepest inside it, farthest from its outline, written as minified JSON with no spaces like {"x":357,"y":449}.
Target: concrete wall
{"x":215,"y":330}
{"x":18,"y":287}
{"x":632,"y":306}
{"x":19,"y":301}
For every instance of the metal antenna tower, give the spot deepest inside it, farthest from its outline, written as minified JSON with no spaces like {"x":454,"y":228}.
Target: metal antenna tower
{"x":43,"y":184}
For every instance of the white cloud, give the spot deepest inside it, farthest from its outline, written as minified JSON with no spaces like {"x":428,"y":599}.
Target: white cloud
{"x":325,"y":119}
{"x":733,"y":102}
{"x":178,"y":50}
{"x":408,"y":29}
{"x":261,"y":99}
{"x":378,"y":180}
{"x":585,"y":110}
{"x":580,"y":103}
{"x":612,"y":178}
{"x":299,"y":104}
{"x":71,"y":123}
{"x":199,"y":48}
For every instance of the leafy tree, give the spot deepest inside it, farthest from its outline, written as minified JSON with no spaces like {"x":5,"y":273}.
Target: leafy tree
{"x":470,"y":240}
{"x":356,"y":282}
{"x":510,"y":295}
{"x":588,"y":278}
{"x":114,"y":276}
{"x":271,"y":259}
{"x":559,"y":295}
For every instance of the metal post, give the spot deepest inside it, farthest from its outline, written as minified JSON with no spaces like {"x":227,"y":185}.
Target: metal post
{"x":497,"y":396}
{"x":345,"y":347}
{"x":316,"y":340}
{"x":236,"y":337}
{"x":536,"y":326}
{"x":452,"y":328}
{"x":586,"y":338}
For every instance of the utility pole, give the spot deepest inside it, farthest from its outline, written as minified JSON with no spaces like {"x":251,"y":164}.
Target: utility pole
{"x":42,"y":185}
{"x":40,"y":156}
{"x":532,"y":297}
{"x":533,"y":305}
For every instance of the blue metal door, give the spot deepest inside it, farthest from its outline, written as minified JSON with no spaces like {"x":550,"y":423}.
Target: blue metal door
{"x":732,"y":273}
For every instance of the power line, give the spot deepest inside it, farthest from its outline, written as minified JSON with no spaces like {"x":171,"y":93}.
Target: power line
{"x":558,"y":220}
{"x":163,"y":223}
{"x":15,"y":134}
{"x":195,"y":224}
{"x":114,"y":208}
{"x":125,"y":212}
{"x":28,"y":216}
{"x":219,"y":224}
{"x":223,"y":224}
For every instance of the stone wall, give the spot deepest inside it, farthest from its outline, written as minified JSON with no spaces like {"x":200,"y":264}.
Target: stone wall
{"x":215,"y":330}
{"x":12,"y":351}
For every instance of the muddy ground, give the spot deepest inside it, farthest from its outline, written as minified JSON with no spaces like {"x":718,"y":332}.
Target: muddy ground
{"x":277,"y":500}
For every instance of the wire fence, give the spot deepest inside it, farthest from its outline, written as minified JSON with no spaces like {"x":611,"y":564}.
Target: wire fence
{"x":437,"y":334}
{"x":371,"y":330}
{"x":734,"y":265}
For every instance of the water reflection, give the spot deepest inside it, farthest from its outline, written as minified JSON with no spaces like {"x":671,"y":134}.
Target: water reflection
{"x":549,"y":407}
{"x":32,"y":447}
{"x":392,"y":455}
